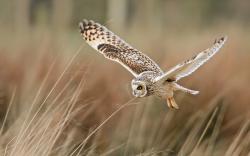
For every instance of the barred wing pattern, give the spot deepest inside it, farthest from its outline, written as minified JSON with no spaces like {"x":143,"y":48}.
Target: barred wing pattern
{"x":188,"y":67}
{"x":115,"y":49}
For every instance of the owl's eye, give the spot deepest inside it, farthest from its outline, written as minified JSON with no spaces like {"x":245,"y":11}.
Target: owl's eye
{"x":139,"y":87}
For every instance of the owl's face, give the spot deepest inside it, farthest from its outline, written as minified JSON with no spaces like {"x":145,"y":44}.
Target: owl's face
{"x":139,"y":88}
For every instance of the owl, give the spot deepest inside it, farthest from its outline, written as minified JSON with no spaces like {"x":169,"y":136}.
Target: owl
{"x":149,"y":79}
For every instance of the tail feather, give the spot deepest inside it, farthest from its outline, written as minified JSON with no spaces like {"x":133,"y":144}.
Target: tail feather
{"x":194,"y":92}
{"x":186,"y":90}
{"x":171,"y":103}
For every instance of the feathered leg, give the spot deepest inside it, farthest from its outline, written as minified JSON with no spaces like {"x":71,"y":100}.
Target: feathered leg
{"x":171,"y":103}
{"x":186,"y":90}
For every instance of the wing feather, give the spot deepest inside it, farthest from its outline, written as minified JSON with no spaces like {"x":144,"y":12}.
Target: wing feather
{"x":188,"y":67}
{"x":115,"y":49}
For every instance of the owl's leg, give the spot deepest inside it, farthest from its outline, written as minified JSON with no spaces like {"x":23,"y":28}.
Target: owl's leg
{"x":186,"y":90}
{"x":171,"y":103}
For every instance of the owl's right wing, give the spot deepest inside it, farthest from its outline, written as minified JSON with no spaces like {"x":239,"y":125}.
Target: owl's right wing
{"x":189,"y":66}
{"x":115,"y":49}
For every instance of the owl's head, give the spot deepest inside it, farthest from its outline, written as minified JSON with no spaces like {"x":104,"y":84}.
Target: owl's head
{"x":139,"y":88}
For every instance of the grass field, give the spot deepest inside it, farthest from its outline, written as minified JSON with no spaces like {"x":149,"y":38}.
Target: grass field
{"x":60,"y":97}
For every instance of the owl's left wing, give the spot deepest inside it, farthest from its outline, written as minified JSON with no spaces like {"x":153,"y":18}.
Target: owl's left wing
{"x":188,"y":67}
{"x":115,"y":49}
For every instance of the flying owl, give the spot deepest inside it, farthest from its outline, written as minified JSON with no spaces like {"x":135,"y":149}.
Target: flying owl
{"x":149,"y":77}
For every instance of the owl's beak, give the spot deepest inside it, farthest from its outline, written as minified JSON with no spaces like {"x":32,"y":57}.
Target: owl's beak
{"x":134,"y":93}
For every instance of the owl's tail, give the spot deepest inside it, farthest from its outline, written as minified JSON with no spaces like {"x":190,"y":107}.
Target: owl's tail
{"x":171,"y":103}
{"x":186,"y":90}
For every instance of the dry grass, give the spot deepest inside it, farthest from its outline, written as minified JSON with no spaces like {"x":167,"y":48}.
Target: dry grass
{"x":59,"y":103}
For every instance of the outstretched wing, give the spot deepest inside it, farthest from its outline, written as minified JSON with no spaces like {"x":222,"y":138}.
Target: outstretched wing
{"x":115,"y":49}
{"x":188,"y":67}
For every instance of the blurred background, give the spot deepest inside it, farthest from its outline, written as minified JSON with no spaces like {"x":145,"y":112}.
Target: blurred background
{"x":56,"y":91}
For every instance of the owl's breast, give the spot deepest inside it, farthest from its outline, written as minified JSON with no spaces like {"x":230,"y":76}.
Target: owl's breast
{"x":164,"y":91}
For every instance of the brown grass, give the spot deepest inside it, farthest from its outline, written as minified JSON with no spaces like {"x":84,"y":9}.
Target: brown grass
{"x":59,"y":101}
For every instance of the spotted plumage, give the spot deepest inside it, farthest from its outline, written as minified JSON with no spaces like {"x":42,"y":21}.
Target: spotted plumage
{"x":114,"y":48}
{"x":149,"y":78}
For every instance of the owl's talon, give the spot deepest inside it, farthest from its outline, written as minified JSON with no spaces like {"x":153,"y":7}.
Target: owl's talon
{"x":171,"y":103}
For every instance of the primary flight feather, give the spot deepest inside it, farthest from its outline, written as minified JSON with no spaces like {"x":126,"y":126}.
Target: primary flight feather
{"x":114,"y":48}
